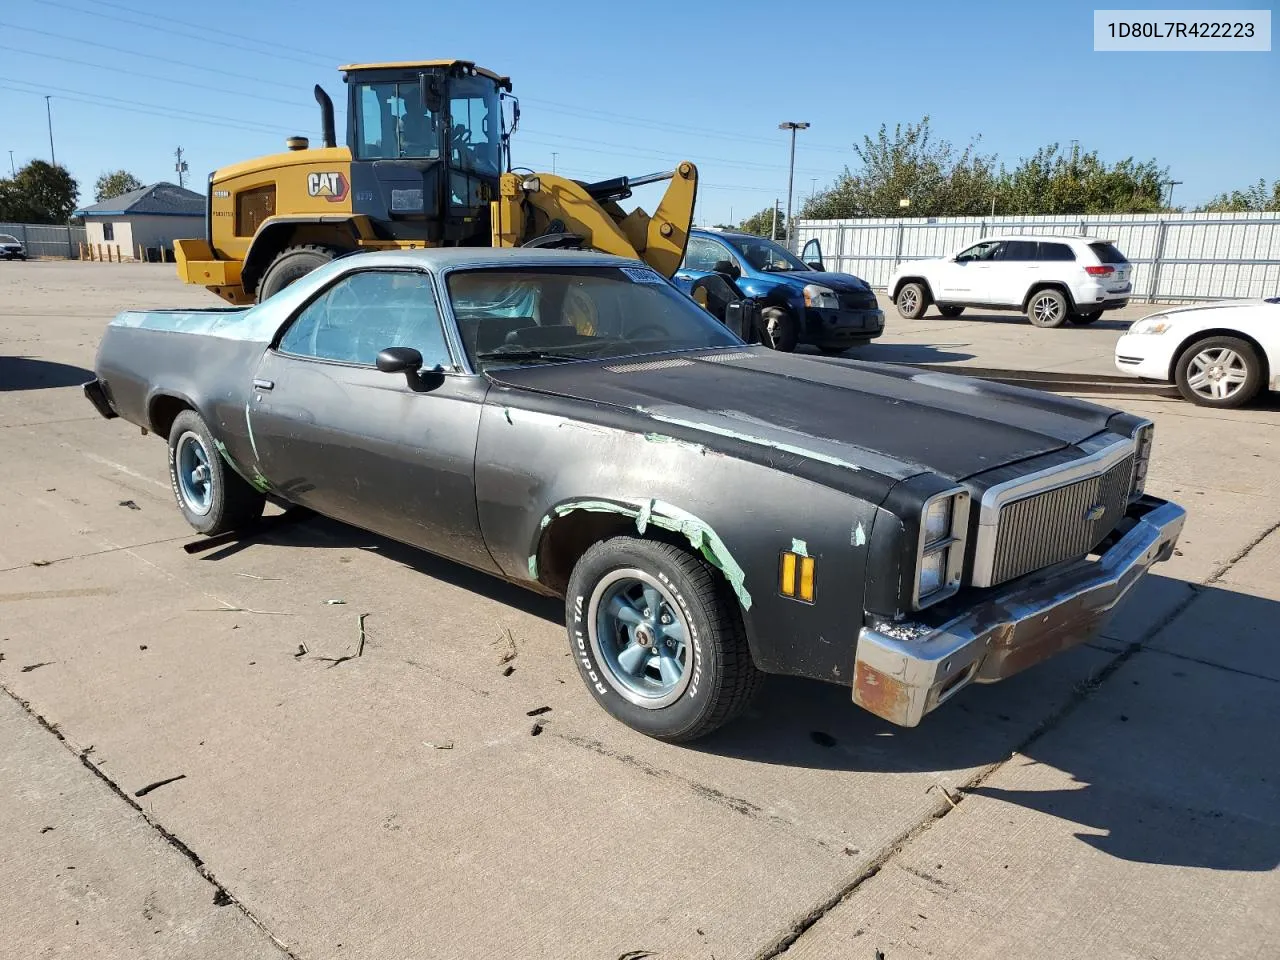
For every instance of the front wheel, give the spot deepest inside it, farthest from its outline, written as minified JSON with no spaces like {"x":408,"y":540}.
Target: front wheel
{"x":212,"y":497}
{"x":1222,"y":372}
{"x":658,"y":639}
{"x":292,"y":264}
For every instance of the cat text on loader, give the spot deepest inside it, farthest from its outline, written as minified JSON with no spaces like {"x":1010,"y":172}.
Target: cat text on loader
{"x":427,"y":146}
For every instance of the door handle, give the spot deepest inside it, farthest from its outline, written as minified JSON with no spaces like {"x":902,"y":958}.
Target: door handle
{"x":263,"y":384}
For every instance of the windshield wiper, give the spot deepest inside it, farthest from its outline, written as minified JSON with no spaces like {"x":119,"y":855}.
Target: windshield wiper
{"x":523,"y":354}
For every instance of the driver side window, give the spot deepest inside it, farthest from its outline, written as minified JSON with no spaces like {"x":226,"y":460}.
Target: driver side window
{"x":980,"y":251}
{"x":364,"y":313}
{"x":704,"y":254}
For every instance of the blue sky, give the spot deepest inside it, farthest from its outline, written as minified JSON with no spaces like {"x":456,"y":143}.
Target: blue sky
{"x":632,"y":88}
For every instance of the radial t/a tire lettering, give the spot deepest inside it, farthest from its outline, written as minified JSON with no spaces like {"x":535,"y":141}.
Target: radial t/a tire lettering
{"x":212,"y":497}
{"x":658,"y":638}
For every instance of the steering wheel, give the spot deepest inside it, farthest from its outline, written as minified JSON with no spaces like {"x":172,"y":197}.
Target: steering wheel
{"x":663,"y":332}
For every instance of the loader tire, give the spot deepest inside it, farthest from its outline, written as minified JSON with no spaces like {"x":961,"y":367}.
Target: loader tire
{"x":290,"y":264}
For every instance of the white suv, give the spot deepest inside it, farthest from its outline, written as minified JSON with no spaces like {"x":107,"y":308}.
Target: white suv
{"x":1050,"y":279}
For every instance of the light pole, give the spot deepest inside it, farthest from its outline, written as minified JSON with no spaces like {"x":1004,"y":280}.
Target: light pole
{"x":48,"y":112}
{"x":12,"y":169}
{"x":791,"y":170}
{"x":813,"y":187}
{"x":553,"y":160}
{"x":1171,"y":184}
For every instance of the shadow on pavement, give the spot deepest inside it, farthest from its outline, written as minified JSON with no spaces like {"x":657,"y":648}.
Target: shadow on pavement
{"x":1176,"y":759}
{"x":28,"y":373}
{"x":894,"y":353}
{"x":1103,"y":323}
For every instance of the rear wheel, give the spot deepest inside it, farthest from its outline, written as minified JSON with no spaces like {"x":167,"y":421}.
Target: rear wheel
{"x":777,"y":329}
{"x":1048,"y":308}
{"x":292,"y":263}
{"x":1221,"y":372}
{"x":1086,"y":318}
{"x":912,"y":300}
{"x":951,"y":312}
{"x":658,"y":638}
{"x":212,"y":497}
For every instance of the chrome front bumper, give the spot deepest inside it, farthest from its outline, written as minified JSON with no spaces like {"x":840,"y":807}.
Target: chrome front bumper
{"x":904,"y":670}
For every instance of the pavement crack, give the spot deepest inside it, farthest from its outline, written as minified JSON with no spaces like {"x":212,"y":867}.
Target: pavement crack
{"x":888,"y":854}
{"x":1209,"y":663}
{"x":1223,"y":570}
{"x":222,"y":896}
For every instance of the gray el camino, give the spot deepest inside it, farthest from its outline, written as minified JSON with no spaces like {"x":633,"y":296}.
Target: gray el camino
{"x":710,"y":511}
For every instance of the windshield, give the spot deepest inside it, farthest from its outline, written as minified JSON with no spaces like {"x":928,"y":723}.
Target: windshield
{"x":476,"y":140}
{"x":394,"y":123}
{"x":551,"y":315}
{"x":766,"y":255}
{"x":5,"y":238}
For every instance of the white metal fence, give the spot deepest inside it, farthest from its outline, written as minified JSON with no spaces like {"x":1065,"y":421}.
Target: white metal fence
{"x":47,"y":240}
{"x":1188,"y":256}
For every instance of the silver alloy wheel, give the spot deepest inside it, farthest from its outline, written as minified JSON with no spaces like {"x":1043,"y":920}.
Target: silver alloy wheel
{"x":908,"y":300}
{"x":1217,"y":373}
{"x":640,"y":638}
{"x":1046,"y":308}
{"x":193,"y":472}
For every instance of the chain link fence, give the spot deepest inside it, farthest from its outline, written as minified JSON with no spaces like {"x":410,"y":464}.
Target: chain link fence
{"x":46,"y":239}
{"x":1176,"y":257}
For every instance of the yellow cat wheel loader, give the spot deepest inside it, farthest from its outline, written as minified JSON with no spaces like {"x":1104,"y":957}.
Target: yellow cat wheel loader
{"x":426,"y":164}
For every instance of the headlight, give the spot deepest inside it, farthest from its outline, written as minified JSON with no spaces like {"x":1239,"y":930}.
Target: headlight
{"x":822,"y":298}
{"x":944,"y":524}
{"x":1152,"y":324}
{"x":1143,"y":437}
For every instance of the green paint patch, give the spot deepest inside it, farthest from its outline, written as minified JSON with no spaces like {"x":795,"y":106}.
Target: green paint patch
{"x":259,"y":482}
{"x":533,"y":566}
{"x":506,"y":412}
{"x":799,"y":548}
{"x":667,"y":516}
{"x":663,"y":438}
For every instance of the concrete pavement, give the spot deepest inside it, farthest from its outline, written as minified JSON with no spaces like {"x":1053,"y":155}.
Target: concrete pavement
{"x":398,"y":804}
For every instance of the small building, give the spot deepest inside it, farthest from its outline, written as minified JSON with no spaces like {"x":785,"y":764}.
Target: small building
{"x":142,"y":223}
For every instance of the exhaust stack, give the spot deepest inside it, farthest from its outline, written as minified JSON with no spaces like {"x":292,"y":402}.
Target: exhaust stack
{"x":326,"y":117}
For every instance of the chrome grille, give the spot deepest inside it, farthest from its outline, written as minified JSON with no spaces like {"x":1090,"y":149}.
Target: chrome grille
{"x":1046,"y":528}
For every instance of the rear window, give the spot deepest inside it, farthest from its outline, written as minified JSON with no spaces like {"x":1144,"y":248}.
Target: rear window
{"x":1056,"y":251}
{"x":1107,"y":253}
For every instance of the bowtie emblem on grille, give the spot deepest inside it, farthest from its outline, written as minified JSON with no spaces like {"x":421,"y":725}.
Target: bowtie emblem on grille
{"x":1095,"y":512}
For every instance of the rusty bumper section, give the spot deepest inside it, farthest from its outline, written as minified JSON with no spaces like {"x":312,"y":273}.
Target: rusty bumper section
{"x":904,"y":670}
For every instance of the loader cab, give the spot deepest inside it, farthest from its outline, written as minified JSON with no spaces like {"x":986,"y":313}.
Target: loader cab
{"x":427,"y":148}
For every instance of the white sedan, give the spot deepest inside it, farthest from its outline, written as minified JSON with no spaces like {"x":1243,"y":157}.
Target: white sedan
{"x":1219,"y":354}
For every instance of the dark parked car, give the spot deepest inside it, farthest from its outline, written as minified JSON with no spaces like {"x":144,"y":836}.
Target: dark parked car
{"x":800,"y":302}
{"x":709,"y":510}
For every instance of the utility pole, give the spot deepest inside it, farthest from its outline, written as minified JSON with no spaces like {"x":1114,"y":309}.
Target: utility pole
{"x":773,"y":230}
{"x":791,"y":170}
{"x":1171,"y":184}
{"x":48,"y":112}
{"x":554,"y":154}
{"x":12,"y":169}
{"x":813,"y":187}
{"x":180,"y":167}
{"x":731,"y":215}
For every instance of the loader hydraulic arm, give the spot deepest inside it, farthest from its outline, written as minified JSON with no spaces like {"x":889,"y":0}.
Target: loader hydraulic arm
{"x":531,"y":206}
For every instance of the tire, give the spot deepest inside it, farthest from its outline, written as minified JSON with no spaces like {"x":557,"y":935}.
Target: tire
{"x":1084,"y":319}
{"x":951,"y":312}
{"x":212,"y":497}
{"x":1048,"y":308}
{"x":292,"y":263}
{"x":1196,"y":372}
{"x":778,"y":329}
{"x":912,"y":300}
{"x":711,"y":677}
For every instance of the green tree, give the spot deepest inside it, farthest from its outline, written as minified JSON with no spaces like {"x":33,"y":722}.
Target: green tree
{"x":761,"y":223}
{"x":1049,"y":182}
{"x":1255,"y":198}
{"x":39,"y":193}
{"x":114,"y":183}
{"x":909,"y":163}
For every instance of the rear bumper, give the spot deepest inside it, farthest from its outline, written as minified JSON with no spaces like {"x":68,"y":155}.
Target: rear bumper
{"x":96,"y":394}
{"x":904,"y":670}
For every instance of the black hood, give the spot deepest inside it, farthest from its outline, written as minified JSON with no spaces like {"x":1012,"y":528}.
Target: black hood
{"x":895,"y":420}
{"x":839,"y":282}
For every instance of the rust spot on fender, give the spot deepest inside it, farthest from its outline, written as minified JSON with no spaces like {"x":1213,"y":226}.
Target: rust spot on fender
{"x":883,"y":695}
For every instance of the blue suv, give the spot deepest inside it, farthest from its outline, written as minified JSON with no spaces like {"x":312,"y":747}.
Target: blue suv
{"x":799,"y":302}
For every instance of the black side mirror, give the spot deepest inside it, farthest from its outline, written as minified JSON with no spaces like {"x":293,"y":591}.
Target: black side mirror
{"x":727,"y":267}
{"x":815,"y":265}
{"x":429,"y":92}
{"x":404,"y":360}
